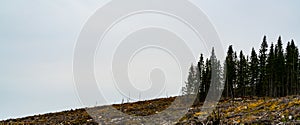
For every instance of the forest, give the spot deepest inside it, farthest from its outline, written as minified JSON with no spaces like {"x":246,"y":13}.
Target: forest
{"x":271,"y":71}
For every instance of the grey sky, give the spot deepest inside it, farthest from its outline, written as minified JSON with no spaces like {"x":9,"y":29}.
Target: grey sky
{"x":37,"y":40}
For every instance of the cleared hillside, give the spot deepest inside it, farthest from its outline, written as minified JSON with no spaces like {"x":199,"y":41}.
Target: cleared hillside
{"x":285,"y":110}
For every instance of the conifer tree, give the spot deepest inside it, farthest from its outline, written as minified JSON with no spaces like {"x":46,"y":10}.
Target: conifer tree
{"x":191,"y":81}
{"x":254,"y":72}
{"x":242,"y":74}
{"x":292,"y":67}
{"x":200,"y":90}
{"x":261,"y":86}
{"x":207,"y":76}
{"x":289,"y":65}
{"x":270,"y":71}
{"x":280,"y":70}
{"x":215,"y":74}
{"x":230,"y":73}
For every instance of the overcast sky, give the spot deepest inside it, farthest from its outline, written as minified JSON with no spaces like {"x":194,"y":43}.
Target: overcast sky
{"x":37,"y":40}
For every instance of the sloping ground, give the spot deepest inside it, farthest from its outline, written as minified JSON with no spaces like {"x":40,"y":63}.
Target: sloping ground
{"x":284,"y":110}
{"x":79,"y":116}
{"x":277,"y":110}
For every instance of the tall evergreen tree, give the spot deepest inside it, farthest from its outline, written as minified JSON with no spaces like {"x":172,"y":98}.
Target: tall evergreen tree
{"x":296,"y":66}
{"x":248,"y":78}
{"x":215,"y":74}
{"x":280,"y":70}
{"x":198,"y":79}
{"x":261,"y":86}
{"x":200,"y":92}
{"x":230,"y":73}
{"x":242,"y":74}
{"x":213,"y":62}
{"x":254,"y":72}
{"x":292,"y":67}
{"x":201,"y":71}
{"x":295,"y":78}
{"x":289,"y":65}
{"x":270,"y":71}
{"x":207,"y":76}
{"x":191,"y":81}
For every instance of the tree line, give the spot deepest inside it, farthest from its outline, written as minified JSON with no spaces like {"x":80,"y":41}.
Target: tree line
{"x":272,"y":71}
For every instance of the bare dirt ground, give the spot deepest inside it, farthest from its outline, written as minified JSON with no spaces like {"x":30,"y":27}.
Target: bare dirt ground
{"x":285,"y":110}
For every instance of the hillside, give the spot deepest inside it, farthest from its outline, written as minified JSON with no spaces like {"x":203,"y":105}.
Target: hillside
{"x":285,"y":110}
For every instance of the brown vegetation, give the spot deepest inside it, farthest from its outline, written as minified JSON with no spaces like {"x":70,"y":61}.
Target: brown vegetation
{"x":285,"y":110}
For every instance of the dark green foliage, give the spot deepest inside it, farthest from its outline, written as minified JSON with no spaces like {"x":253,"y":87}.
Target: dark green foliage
{"x":242,"y":75}
{"x":230,"y":72}
{"x":292,"y":70}
{"x":280,"y":69}
{"x":261,"y":86}
{"x":254,"y":72}
{"x":273,"y":73}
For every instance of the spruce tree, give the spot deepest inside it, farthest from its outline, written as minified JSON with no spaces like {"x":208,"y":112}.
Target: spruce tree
{"x":295,"y":79}
{"x":270,"y":71}
{"x":213,"y":62}
{"x":254,"y":72}
{"x":295,"y":76}
{"x":200,"y":91}
{"x":191,"y":81}
{"x":215,"y":71}
{"x":280,"y":70}
{"x":289,"y":65}
{"x":242,"y":74}
{"x":207,"y":76}
{"x":292,"y":67}
{"x":261,"y":86}
{"x":229,"y":73}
